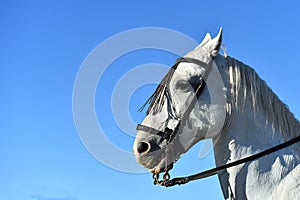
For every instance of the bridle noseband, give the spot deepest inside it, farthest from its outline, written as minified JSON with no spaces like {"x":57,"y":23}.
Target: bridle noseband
{"x":167,"y":135}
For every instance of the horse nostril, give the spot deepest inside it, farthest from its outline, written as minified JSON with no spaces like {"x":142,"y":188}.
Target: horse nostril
{"x":142,"y":147}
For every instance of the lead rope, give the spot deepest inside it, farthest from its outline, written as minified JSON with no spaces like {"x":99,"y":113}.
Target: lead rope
{"x":184,"y":180}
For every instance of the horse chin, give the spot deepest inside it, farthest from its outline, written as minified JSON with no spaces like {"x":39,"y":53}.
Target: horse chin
{"x":166,"y":163}
{"x":162,"y":166}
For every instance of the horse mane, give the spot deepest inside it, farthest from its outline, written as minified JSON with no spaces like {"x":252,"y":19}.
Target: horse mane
{"x":246,"y":84}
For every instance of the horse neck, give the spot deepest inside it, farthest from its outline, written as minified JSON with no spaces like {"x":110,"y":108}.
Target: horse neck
{"x":246,"y":135}
{"x":251,"y":129}
{"x":260,"y":178}
{"x":256,"y":117}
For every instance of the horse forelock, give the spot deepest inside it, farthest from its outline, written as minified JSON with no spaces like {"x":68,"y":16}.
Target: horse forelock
{"x":157,"y":99}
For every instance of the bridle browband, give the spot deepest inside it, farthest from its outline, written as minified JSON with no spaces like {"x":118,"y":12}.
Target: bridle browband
{"x":169,"y":135}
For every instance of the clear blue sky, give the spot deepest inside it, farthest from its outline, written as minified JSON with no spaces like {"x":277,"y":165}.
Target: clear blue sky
{"x":43,"y":44}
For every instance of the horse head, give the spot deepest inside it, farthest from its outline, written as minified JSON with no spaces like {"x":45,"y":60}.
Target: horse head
{"x":181,"y":111}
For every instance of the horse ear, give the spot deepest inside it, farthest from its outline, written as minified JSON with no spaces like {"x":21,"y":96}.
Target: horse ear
{"x":206,"y":39}
{"x":213,"y":46}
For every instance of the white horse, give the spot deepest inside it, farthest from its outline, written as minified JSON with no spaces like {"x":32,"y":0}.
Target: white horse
{"x":237,"y":110}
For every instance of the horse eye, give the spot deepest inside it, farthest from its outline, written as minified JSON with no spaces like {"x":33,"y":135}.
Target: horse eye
{"x":183,"y":85}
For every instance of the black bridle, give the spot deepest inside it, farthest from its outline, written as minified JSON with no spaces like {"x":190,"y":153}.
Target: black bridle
{"x":169,"y":135}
